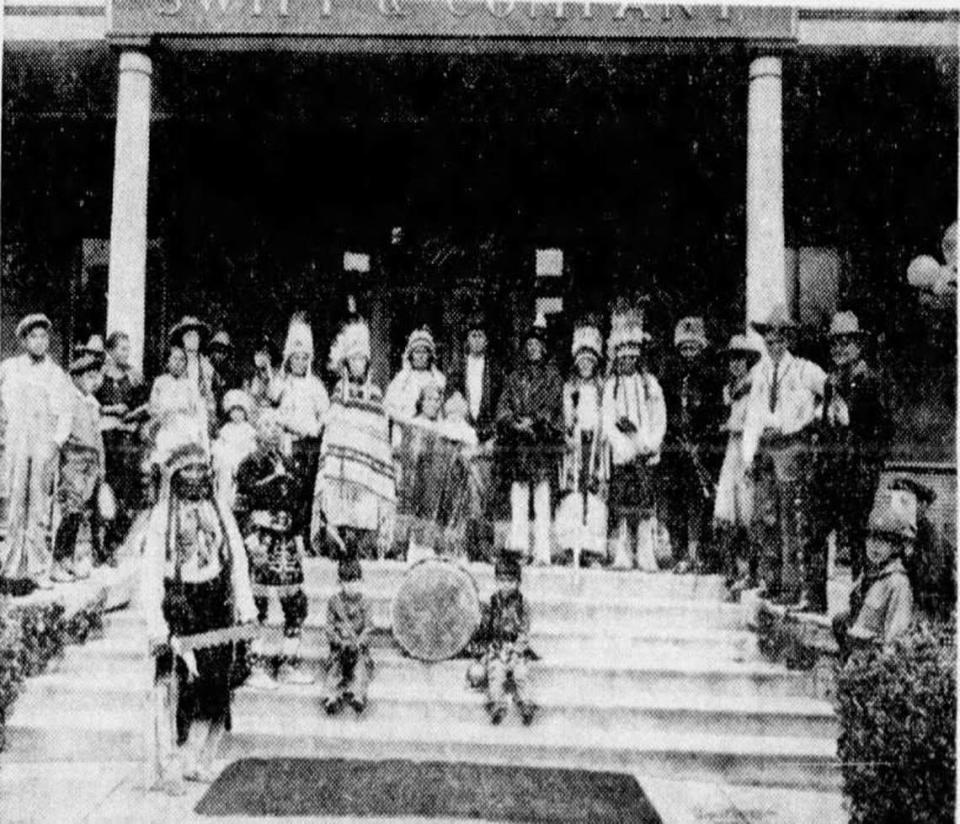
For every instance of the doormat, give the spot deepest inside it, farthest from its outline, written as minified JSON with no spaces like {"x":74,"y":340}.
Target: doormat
{"x":304,"y":787}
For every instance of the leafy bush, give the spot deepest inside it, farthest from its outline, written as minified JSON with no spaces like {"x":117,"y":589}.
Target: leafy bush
{"x":32,"y":636}
{"x":897,"y":743}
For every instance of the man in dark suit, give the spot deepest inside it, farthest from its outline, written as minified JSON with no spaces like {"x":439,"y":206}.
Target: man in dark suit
{"x":852,"y":442}
{"x":479,"y":382}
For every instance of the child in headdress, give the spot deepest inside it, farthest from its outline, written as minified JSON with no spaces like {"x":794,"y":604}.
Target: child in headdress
{"x":269,"y":510}
{"x":237,"y":439}
{"x":505,"y":634}
{"x":349,"y":627}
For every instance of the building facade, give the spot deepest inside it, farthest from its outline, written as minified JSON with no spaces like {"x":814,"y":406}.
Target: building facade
{"x":246,"y":158}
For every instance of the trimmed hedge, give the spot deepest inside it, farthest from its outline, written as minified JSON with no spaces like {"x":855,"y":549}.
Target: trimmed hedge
{"x":897,"y":743}
{"x":32,"y":636}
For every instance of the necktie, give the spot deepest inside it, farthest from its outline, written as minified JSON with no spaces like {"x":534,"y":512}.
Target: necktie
{"x":774,"y":388}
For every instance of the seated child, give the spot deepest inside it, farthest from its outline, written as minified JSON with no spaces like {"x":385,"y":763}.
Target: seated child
{"x":506,"y":636}
{"x":349,"y":626}
{"x":81,"y":470}
{"x":237,"y":439}
{"x":881,"y":602}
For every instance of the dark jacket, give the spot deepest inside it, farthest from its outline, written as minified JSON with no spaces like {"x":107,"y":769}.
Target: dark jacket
{"x":266,"y":482}
{"x":693,"y":394}
{"x":535,"y":391}
{"x":867,"y":437}
{"x":486,"y":421}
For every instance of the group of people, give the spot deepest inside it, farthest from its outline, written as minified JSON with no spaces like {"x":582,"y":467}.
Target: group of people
{"x":741,"y":461}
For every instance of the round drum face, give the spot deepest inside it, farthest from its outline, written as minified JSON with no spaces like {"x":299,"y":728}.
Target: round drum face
{"x":436,"y":610}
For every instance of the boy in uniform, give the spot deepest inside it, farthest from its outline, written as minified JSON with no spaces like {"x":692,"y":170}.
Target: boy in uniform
{"x":349,"y":626}
{"x":81,"y":469}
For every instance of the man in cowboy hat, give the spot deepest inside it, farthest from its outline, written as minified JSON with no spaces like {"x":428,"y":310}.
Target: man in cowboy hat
{"x":479,"y":381}
{"x":733,"y":504}
{"x":852,"y":442}
{"x":881,"y":601}
{"x":35,"y":404}
{"x":530,"y":430}
{"x":781,"y":410}
{"x":693,"y":391}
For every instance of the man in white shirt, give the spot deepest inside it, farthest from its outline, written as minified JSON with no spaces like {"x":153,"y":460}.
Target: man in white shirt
{"x":784,"y":402}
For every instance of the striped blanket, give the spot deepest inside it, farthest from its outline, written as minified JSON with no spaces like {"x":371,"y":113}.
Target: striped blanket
{"x":356,"y":479}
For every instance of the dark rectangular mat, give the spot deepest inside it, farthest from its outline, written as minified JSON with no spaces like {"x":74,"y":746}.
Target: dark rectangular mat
{"x":337,"y":787}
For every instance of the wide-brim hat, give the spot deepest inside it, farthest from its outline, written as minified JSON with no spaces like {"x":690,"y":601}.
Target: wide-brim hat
{"x":222,"y":340}
{"x":778,"y":319}
{"x":894,"y":516}
{"x":86,"y":362}
{"x":845,"y":325}
{"x":30,"y":322}
{"x":188,"y":323}
{"x":740,"y":346}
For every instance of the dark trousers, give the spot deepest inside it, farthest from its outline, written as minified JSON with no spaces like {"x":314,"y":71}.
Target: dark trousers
{"x":306,"y":459}
{"x":687,"y":510}
{"x":65,"y":542}
{"x":780,"y":514}
{"x":841,"y":498}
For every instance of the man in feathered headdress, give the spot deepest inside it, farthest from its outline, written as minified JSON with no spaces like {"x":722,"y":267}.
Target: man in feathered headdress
{"x":581,"y":522}
{"x":530,"y":432}
{"x":633,"y":420}
{"x":302,"y":404}
{"x":355,"y":493}
{"x":35,"y":410}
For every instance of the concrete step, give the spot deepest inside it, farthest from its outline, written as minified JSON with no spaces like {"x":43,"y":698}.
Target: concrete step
{"x":560,"y":582}
{"x":36,"y":734}
{"x":664,"y":673}
{"x":548,"y":639}
{"x":560,"y":707}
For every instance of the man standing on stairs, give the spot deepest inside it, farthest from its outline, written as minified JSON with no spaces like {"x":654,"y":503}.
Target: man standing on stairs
{"x":195,"y":591}
{"x":269,"y":509}
{"x":530,"y":432}
{"x":782,"y":407}
{"x":633,"y":422}
{"x":35,"y":415}
{"x":693,"y":393}
{"x":852,"y":439}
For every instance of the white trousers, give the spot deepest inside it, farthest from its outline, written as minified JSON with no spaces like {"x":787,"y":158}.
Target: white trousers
{"x":519,"y":539}
{"x":628,"y":554}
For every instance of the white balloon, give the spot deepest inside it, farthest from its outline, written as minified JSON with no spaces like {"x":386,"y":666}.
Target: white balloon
{"x":923,"y":271}
{"x":949,"y":244}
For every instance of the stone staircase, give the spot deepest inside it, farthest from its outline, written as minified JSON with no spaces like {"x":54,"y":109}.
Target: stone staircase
{"x":652,"y":674}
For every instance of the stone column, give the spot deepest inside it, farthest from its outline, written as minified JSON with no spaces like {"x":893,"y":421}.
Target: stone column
{"x":766,"y":270}
{"x":127,"y":282}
